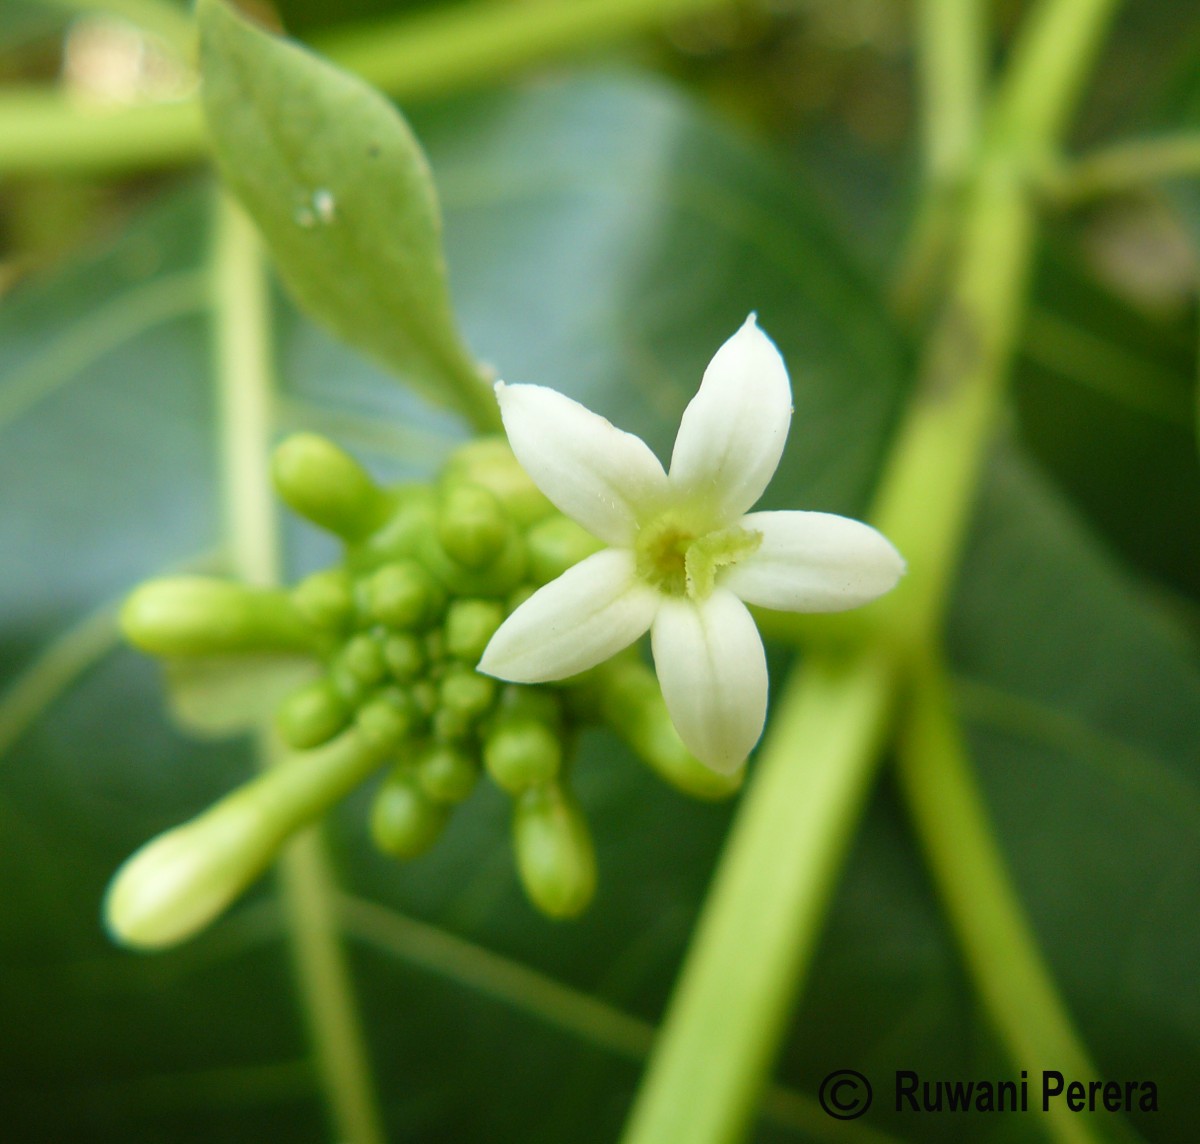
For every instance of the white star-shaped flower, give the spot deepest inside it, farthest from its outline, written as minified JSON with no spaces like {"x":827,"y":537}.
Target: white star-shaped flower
{"x":685,"y":556}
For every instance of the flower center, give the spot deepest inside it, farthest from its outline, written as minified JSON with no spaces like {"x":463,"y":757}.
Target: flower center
{"x":678,"y":562}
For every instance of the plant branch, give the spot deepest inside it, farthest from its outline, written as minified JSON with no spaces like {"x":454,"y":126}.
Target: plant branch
{"x":1125,"y":167}
{"x":776,"y":877}
{"x":241,"y":309}
{"x":412,"y":58}
{"x":994,"y":932}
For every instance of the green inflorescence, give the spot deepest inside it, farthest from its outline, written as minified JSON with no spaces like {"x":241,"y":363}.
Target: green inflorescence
{"x":429,"y":572}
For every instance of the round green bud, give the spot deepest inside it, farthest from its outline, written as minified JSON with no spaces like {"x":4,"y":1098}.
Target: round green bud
{"x":520,"y":753}
{"x":556,"y":544}
{"x":493,"y":581}
{"x":446,"y":774}
{"x":362,"y":656}
{"x":464,"y":690}
{"x":402,"y":595}
{"x":326,"y":599}
{"x":312,"y":715}
{"x":411,"y":519}
{"x":405,"y":656}
{"x":555,"y":856}
{"x":387,"y":718}
{"x":450,"y":725}
{"x":469,"y":625}
{"x":405,"y":821}
{"x":472,"y":527}
{"x":327,"y":486}
{"x":489,"y":462}
{"x":424,"y":696}
{"x":194,"y":615}
{"x":521,"y":701}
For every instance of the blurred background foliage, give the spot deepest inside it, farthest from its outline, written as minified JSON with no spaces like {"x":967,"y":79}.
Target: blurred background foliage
{"x":610,"y":219}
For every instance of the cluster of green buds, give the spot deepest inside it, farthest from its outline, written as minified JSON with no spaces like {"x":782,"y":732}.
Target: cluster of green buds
{"x":392,"y":636}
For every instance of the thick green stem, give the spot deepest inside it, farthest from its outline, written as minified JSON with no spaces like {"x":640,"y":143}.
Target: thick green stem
{"x":997,"y":939}
{"x":777,"y":874}
{"x":411,"y":58}
{"x":243,"y":360}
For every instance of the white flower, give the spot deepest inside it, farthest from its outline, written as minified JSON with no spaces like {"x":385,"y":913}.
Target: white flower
{"x":684,"y":552}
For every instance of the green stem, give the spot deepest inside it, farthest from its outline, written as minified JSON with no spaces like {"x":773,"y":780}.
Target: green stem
{"x":1125,"y":167}
{"x":411,"y":58}
{"x":929,"y":483}
{"x":953,"y":45}
{"x":952,"y":42}
{"x":994,"y":932}
{"x":777,"y":874}
{"x":243,"y":361}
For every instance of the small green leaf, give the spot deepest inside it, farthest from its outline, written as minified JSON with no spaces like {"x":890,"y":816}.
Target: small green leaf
{"x":342,"y":193}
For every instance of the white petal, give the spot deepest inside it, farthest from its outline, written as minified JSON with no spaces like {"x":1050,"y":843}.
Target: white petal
{"x":733,"y":431}
{"x":713,"y":673}
{"x":813,"y":562}
{"x":591,"y":612}
{"x":599,"y":475}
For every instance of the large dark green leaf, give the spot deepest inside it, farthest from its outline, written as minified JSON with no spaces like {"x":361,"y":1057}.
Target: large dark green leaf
{"x":602,"y":239}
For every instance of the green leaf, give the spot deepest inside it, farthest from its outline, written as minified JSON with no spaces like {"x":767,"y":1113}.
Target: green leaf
{"x":342,"y":193}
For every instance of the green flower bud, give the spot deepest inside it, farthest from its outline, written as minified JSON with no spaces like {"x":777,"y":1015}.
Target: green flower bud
{"x":387,"y":718}
{"x":489,"y":462}
{"x":471,"y":527}
{"x":520,"y":753}
{"x":312,"y":715}
{"x":328,"y":487}
{"x":403,"y":595}
{"x":493,"y":581}
{"x":464,"y":690}
{"x":555,"y":857}
{"x":450,"y":725}
{"x":469,"y":625}
{"x":556,"y":544}
{"x":410,"y":523}
{"x":326,"y":599}
{"x":405,"y":656}
{"x":405,"y":821}
{"x":632,"y":704}
{"x":192,"y":615}
{"x":424,"y":696}
{"x":362,"y":656}
{"x":180,"y":881}
{"x":446,"y":774}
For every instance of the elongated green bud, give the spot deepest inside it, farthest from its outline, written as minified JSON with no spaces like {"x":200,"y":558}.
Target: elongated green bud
{"x":520,"y":752}
{"x":632,"y":704}
{"x":180,"y":881}
{"x":328,"y":487}
{"x":194,"y":615}
{"x":556,"y":544}
{"x":405,"y":821}
{"x":554,"y":851}
{"x":489,"y":462}
{"x":312,"y":715}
